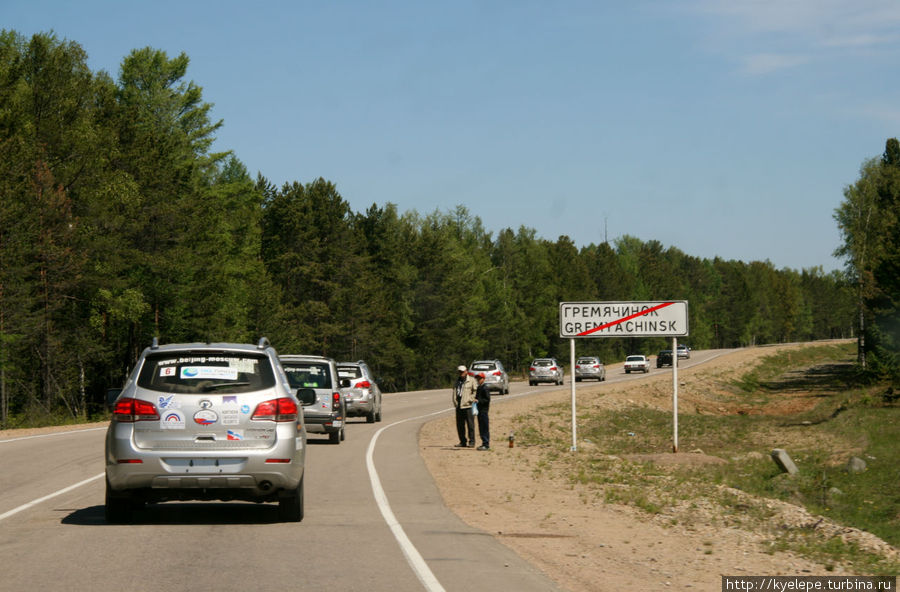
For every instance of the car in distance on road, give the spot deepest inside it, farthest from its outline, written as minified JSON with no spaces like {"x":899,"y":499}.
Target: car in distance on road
{"x":589,"y":367}
{"x":636,"y":363}
{"x":362,"y":394}
{"x":545,"y":370}
{"x":495,"y":376}
{"x":328,"y":413}
{"x":664,"y":358}
{"x":205,"y":421}
{"x":684,"y":352}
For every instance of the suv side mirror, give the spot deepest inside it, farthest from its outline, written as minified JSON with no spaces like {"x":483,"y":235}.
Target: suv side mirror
{"x":111,"y":396}
{"x":307,"y":396}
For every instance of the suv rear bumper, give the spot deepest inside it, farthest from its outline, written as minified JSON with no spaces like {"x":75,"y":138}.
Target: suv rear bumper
{"x":360,"y":406}
{"x":588,"y":375}
{"x":198,"y":473}
{"x":323,"y":424}
{"x":544,"y":378}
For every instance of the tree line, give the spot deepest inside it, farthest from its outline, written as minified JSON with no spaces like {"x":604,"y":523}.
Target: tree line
{"x":869,"y":221}
{"x":119,"y":222}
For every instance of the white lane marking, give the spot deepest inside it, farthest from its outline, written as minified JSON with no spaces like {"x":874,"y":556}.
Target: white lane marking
{"x":21,"y":508}
{"x":413,"y":557}
{"x":52,"y":434}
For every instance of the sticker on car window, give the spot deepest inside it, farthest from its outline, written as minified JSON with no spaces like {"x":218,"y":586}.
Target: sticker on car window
{"x":208,"y":372}
{"x":245,"y":365}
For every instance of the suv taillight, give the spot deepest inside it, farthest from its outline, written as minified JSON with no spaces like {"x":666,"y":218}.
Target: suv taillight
{"x":498,"y":373}
{"x":531,"y":369}
{"x":363,"y":384}
{"x":131,"y":410}
{"x":336,"y":401}
{"x":283,"y":409}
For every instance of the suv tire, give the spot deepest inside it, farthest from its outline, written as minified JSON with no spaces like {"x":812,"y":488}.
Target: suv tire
{"x":290,"y":504}
{"x":119,"y":508}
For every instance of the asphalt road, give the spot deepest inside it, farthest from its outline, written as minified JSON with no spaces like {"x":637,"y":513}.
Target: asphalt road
{"x":374,"y":520}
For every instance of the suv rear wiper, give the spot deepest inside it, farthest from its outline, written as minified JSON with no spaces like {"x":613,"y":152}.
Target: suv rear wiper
{"x":218,"y":385}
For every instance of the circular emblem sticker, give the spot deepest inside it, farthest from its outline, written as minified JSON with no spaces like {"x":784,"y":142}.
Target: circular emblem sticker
{"x":206,"y":417}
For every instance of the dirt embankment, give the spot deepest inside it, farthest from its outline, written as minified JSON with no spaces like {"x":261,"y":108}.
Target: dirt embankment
{"x":587,"y":544}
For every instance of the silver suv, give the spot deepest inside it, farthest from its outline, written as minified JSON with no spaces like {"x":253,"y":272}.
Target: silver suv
{"x":360,"y":390}
{"x":495,"y":377}
{"x":205,"y":421}
{"x":328,"y":412}
{"x":545,"y":370}
{"x":589,"y":367}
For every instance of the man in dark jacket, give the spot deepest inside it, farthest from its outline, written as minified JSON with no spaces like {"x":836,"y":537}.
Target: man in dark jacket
{"x":483,"y":400}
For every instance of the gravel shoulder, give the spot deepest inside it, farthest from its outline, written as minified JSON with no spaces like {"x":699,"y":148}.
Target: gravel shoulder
{"x":586,"y":544}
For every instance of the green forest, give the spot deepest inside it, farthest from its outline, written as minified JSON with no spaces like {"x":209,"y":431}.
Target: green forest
{"x":119,"y":222}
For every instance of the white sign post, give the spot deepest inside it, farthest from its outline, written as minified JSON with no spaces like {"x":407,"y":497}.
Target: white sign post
{"x":667,"y":318}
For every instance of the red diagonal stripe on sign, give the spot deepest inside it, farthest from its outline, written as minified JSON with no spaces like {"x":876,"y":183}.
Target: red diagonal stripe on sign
{"x":628,"y":318}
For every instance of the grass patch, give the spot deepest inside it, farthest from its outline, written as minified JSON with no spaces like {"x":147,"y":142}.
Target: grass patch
{"x":848,"y":420}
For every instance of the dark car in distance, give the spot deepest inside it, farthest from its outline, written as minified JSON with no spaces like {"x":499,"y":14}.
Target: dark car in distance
{"x":664,"y":358}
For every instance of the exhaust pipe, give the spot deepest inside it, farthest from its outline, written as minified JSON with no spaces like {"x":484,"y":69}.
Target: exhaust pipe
{"x":265,"y":486}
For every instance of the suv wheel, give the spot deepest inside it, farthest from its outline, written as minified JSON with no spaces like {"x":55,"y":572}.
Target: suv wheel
{"x":335,"y":437}
{"x":119,"y":508}
{"x":370,"y":416}
{"x":290,"y":504}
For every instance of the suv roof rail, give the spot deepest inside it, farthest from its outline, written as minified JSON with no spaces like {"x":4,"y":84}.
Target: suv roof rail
{"x":263,"y":343}
{"x":155,"y":343}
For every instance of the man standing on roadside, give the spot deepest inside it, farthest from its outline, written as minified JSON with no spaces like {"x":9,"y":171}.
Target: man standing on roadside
{"x":463,"y":397}
{"x":483,"y":398}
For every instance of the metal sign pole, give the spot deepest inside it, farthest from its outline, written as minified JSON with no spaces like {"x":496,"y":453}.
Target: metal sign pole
{"x":675,"y":392}
{"x":572,"y":379}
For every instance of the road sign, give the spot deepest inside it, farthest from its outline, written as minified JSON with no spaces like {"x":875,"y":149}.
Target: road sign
{"x":667,"y":318}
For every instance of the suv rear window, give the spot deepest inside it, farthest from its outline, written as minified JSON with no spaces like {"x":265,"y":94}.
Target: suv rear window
{"x":205,"y":372}
{"x":348,"y":372}
{"x":308,"y":375}
{"x":588,"y":361}
{"x":542,"y":363}
{"x":484,"y":366}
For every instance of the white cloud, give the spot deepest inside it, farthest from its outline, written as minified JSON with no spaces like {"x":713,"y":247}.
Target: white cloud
{"x":766,"y":63}
{"x":883,"y":113}
{"x":817,"y":23}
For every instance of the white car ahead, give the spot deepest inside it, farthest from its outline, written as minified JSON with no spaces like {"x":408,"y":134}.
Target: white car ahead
{"x":637,"y":364}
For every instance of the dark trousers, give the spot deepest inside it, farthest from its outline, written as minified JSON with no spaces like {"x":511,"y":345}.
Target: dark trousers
{"x":464,"y":420}
{"x":484,"y":428}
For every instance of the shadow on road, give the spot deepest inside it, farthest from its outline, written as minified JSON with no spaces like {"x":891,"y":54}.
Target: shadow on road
{"x":176,"y":513}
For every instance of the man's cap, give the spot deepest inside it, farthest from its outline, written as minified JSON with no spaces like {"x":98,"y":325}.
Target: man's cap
{"x":480,"y":376}
{"x":461,"y":368}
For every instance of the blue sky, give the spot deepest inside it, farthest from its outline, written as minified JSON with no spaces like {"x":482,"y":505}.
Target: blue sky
{"x":724,"y":128}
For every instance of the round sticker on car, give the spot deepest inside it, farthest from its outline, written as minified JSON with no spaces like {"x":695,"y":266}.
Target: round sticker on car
{"x":206,"y":417}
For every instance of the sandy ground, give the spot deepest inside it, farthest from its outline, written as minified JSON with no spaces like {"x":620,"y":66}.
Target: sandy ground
{"x":586,"y":544}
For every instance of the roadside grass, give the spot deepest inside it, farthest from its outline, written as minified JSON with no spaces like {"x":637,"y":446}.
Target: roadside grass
{"x":850,"y":419}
